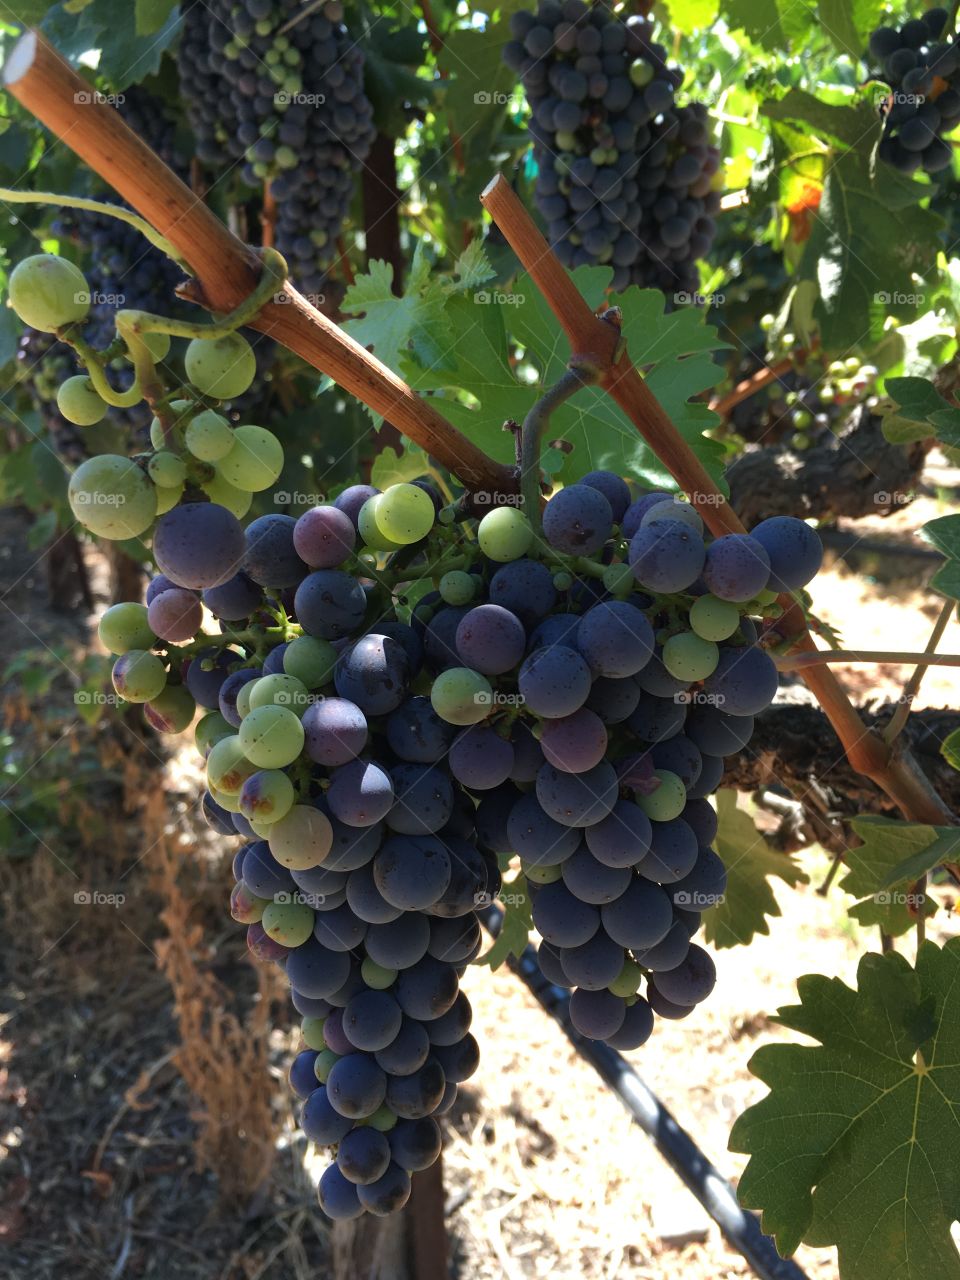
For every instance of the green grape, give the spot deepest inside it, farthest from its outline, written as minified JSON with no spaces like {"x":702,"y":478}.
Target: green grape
{"x":280,"y":691}
{"x":767,"y":596}
{"x":457,"y":587}
{"x":566,"y":140}
{"x":138,"y":675}
{"x":803,"y":419}
{"x":230,"y":803}
{"x":312,"y":1031}
{"x":310,"y":660}
{"x":641,"y":73}
{"x":618,"y":579}
{"x":48,"y":292}
{"x":272,"y":737}
{"x":228,"y":767}
{"x":112,"y":497}
{"x":667,"y":802}
{"x":209,"y":436}
{"x":267,"y":797}
{"x":221,"y":367}
{"x":505,"y":534}
{"x":236,"y":500}
{"x":368,"y":528}
{"x":246,"y":907}
{"x":302,"y":839}
{"x":383,"y":1119}
{"x":260,"y":829}
{"x":79,"y":403}
{"x":627,"y":982}
{"x":168,"y":498}
{"x":124,"y":627}
{"x":323,"y":1064}
{"x":166,"y":470}
{"x":714,"y":619}
{"x":255,"y":459}
{"x":377,"y":975}
{"x":405,"y":514}
{"x":158,"y":344}
{"x":563,"y":581}
{"x":541,"y":875}
{"x":243,"y":698}
{"x":180,"y":411}
{"x":290,"y":923}
{"x":172,"y":710}
{"x":461,"y":696}
{"x":688,"y":657}
{"x":210,"y":729}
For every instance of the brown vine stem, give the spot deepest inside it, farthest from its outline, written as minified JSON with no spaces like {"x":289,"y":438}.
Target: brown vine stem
{"x":803,"y":661}
{"x":599,"y":343}
{"x":724,"y":405}
{"x":226,"y":269}
{"x":911,"y":688}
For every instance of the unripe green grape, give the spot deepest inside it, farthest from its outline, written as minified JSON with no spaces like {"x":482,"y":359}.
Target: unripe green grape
{"x":618,"y":579}
{"x":383,"y":1119}
{"x":180,"y":411}
{"x":166,"y":470}
{"x":376,"y":975}
{"x":566,"y":140}
{"x":290,"y":923}
{"x":286,"y":157}
{"x":221,"y":367}
{"x":255,"y":459}
{"x":667,"y":802}
{"x":405,"y":513}
{"x":457,"y":587}
{"x":246,"y":907}
{"x":271,"y":737}
{"x":158,"y":344}
{"x":541,"y":875}
{"x":260,"y":829}
{"x":310,"y":661}
{"x":79,"y":402}
{"x":210,"y":730}
{"x":138,"y":675}
{"x":172,"y":710}
{"x":267,"y":796}
{"x":281,"y":691}
{"x":563,"y":580}
{"x":302,"y":839}
{"x":627,"y":982}
{"x":641,"y":73}
{"x":228,"y":767}
{"x":505,"y":534}
{"x":227,"y":495}
{"x":48,"y":292}
{"x":243,"y":698}
{"x":370,"y":531}
{"x":802,"y":419}
{"x":767,"y":596}
{"x":168,"y":498}
{"x":461,"y":696}
{"x":209,"y":436}
{"x":124,"y":627}
{"x":689,"y":657}
{"x":312,"y":1031}
{"x":714,"y":619}
{"x":323,"y":1064}
{"x":112,"y":497}
{"x":230,"y":803}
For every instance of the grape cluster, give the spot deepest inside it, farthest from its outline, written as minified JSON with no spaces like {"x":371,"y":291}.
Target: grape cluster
{"x":923,"y":71}
{"x":284,"y":98}
{"x":625,"y":175}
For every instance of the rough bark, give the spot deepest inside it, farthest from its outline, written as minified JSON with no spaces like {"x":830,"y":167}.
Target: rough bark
{"x":854,"y":473}
{"x":381,"y":208}
{"x":68,"y":582}
{"x":793,"y":746}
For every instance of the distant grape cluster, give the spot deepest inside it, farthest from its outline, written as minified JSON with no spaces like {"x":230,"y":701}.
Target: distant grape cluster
{"x":625,"y":176}
{"x":283,"y":96}
{"x":920,"y":62}
{"x":555,"y":707}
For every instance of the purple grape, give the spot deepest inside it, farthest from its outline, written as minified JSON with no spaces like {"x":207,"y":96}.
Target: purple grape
{"x":490,"y":639}
{"x":615,"y":638}
{"x":198,"y":544}
{"x":666,"y":556}
{"x":737,"y":568}
{"x":270,"y":557}
{"x":614,"y":489}
{"x":577,"y":520}
{"x":335,"y":731}
{"x":324,"y":537}
{"x":795,"y":551}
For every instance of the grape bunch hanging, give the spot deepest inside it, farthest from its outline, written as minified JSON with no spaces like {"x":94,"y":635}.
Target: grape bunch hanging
{"x":920,"y":62}
{"x":556,"y":706}
{"x":282,"y":97}
{"x":625,"y":176}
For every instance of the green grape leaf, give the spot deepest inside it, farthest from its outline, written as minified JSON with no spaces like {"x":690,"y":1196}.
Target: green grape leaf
{"x":391,"y":467}
{"x":944,"y":848}
{"x":915,"y":406}
{"x":473,"y":268}
{"x":887,"y":844}
{"x":692,"y":15}
{"x":751,"y":863}
{"x":947,"y":579}
{"x":126,"y":54}
{"x":944,"y":534}
{"x":27,"y":13}
{"x":848,"y":23}
{"x":514,"y":927}
{"x":152,"y":14}
{"x":855,"y":1144}
{"x":950,"y":749}
{"x":841,"y":125}
{"x":775,"y":25}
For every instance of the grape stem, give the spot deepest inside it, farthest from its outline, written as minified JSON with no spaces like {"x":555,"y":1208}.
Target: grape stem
{"x":94,"y":362}
{"x":581,"y":373}
{"x":910,"y":689}
{"x":11,"y":196}
{"x":814,"y":657}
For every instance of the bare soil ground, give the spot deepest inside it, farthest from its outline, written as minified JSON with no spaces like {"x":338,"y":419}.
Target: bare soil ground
{"x":546,"y":1176}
